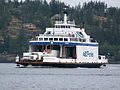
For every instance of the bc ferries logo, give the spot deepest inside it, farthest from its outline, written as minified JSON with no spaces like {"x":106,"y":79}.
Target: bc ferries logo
{"x":88,"y":54}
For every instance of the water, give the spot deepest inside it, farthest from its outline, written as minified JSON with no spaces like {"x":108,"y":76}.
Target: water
{"x":37,"y":78}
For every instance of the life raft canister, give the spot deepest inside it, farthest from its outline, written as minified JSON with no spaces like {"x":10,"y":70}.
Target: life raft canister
{"x":47,"y":50}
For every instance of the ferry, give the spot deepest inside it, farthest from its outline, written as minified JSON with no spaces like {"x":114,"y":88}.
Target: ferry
{"x":63,"y":45}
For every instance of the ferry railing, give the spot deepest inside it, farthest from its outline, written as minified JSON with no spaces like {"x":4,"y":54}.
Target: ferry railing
{"x":34,"y":39}
{"x":62,"y":22}
{"x":49,"y":35}
{"x":70,"y":38}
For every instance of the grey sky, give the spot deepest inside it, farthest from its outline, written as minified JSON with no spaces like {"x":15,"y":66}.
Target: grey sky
{"x":114,"y":3}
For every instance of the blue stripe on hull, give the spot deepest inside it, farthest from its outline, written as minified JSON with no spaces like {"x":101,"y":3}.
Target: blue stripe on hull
{"x":62,"y":43}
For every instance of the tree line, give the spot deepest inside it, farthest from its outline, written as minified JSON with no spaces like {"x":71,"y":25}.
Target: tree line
{"x":99,"y":20}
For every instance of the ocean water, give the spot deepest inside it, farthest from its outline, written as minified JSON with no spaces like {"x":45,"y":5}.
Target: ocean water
{"x":39,"y":78}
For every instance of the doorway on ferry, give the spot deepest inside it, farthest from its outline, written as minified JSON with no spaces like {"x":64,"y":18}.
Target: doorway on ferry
{"x":70,"y":52}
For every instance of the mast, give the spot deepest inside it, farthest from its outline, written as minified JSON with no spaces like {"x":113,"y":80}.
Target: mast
{"x":65,"y":16}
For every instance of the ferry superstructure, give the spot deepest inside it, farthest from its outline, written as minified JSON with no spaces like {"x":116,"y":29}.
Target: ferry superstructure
{"x":63,"y":45}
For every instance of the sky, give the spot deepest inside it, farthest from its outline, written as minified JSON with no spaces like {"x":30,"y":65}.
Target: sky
{"x":113,"y":3}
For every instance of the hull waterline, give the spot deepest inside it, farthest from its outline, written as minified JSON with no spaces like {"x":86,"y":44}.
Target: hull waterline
{"x":62,"y":65}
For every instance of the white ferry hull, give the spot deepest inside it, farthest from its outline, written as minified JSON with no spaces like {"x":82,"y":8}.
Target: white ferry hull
{"x":60,"y":64}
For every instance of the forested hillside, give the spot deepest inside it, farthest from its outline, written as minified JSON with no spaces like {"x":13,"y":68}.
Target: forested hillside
{"x":100,"y":21}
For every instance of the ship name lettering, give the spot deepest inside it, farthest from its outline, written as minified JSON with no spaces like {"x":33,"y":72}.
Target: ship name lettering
{"x":88,"y":54}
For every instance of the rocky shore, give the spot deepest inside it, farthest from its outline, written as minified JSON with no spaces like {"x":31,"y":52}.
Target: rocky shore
{"x":6,"y":58}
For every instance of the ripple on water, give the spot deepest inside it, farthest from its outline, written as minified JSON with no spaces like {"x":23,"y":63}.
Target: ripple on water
{"x":12,"y":78}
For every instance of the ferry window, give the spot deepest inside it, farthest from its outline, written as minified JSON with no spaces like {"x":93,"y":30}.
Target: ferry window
{"x":45,"y":39}
{"x":84,"y":40}
{"x":62,"y":26}
{"x":60,"y":39}
{"x":74,"y":39}
{"x":67,"y":26}
{"x":65,"y":39}
{"x":80,"y":34}
{"x":57,"y":26}
{"x":40,"y":39}
{"x":51,"y":39}
{"x":80,"y":40}
{"x":55,"y":39}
